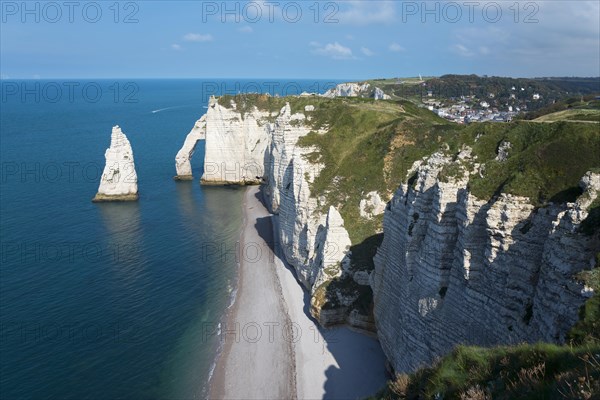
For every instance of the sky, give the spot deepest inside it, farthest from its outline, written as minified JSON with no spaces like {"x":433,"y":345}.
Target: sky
{"x":297,"y":39}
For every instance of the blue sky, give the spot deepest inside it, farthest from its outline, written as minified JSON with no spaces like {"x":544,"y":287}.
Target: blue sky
{"x":344,"y":40}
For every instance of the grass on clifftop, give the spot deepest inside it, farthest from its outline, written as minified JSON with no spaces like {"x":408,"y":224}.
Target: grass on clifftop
{"x":545,"y":161}
{"x":539,"y":371}
{"x":356,"y":153}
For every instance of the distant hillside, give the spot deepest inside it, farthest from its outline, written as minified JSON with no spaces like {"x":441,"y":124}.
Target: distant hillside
{"x":529,"y":94}
{"x":580,"y":108}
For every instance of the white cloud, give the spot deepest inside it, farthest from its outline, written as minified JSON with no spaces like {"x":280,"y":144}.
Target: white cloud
{"x":197,"y":37}
{"x":332,"y":50}
{"x":246,"y":29}
{"x":364,"y":12}
{"x":396,"y":48}
{"x":461,"y":50}
{"x":564,"y":40}
{"x":366,"y":51}
{"x":176,"y":47}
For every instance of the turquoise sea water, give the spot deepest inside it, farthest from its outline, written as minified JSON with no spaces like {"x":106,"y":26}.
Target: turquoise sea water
{"x":109,"y":301}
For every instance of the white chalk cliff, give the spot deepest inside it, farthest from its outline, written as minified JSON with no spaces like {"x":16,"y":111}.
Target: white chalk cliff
{"x":452,"y":268}
{"x":256,"y":147}
{"x":235,"y":145}
{"x":119,"y":178}
{"x":456,"y":269}
{"x":354,"y":89}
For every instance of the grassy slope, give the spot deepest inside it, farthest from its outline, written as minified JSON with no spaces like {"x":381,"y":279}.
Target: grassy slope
{"x":354,"y":152}
{"x":545,"y":163}
{"x":540,"y":371}
{"x":572,"y":114}
{"x":584,"y":105}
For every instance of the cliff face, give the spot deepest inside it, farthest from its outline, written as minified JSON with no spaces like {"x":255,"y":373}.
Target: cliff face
{"x":288,"y":194}
{"x":235,"y":146}
{"x":252,"y":146}
{"x":456,"y":269}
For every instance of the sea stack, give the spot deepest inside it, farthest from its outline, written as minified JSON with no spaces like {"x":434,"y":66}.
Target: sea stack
{"x":119,"y":179}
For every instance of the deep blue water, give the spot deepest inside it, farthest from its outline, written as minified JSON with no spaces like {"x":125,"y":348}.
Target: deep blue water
{"x":107,"y":301}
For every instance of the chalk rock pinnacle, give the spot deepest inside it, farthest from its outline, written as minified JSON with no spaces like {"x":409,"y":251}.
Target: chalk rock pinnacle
{"x":119,"y":179}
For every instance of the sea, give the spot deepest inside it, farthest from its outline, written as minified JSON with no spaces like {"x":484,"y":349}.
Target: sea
{"x":113,"y":300}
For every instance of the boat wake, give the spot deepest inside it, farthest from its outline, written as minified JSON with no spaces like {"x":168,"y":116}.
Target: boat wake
{"x":173,"y":107}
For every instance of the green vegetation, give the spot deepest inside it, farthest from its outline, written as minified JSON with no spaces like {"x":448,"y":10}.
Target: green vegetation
{"x":587,"y":329}
{"x":591,"y":224}
{"x":581,"y":108}
{"x":545,"y":161}
{"x":551,"y":90}
{"x":498,"y":92}
{"x":245,"y":103}
{"x":539,"y":371}
{"x":358,"y":156}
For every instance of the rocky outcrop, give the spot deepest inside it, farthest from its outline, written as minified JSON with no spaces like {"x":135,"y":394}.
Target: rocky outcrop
{"x":455,"y":269}
{"x":182,"y":160}
{"x":333,"y":244}
{"x":235,"y":148}
{"x":371,"y":205}
{"x":119,"y":178}
{"x":378,"y":94}
{"x":354,"y":89}
{"x":236,"y":143}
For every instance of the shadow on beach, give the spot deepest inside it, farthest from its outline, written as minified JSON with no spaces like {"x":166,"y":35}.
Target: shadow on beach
{"x":351,"y":379}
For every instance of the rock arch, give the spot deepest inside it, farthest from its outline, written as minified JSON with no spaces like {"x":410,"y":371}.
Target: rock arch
{"x":184,"y":155}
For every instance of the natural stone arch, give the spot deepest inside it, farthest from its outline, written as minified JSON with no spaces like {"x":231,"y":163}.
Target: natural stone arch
{"x":184,"y":155}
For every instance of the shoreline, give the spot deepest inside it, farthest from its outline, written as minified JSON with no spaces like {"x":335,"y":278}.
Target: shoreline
{"x":271,"y":347}
{"x":207,"y":390}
